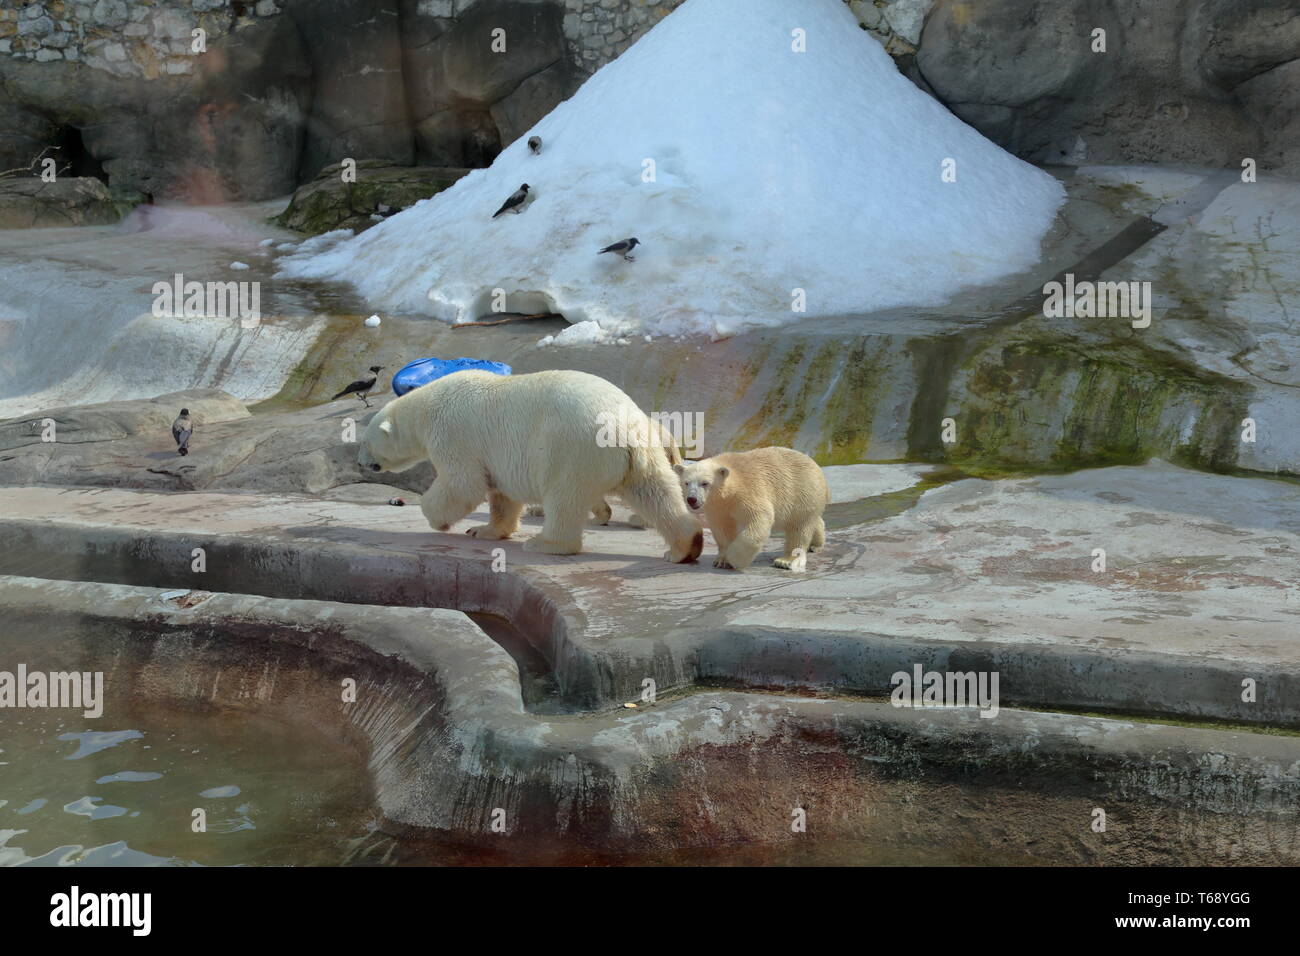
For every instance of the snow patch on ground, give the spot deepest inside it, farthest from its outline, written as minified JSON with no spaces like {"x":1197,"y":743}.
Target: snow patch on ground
{"x":774,"y":171}
{"x":586,"y":333}
{"x":580,"y":333}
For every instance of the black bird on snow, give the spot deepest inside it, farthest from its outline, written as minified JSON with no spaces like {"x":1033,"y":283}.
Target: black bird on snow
{"x":182,"y":429}
{"x":514,"y":202}
{"x":535,"y":144}
{"x":624,"y":246}
{"x":363,"y":386}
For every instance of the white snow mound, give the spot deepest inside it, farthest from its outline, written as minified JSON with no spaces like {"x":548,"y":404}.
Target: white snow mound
{"x":774,"y":171}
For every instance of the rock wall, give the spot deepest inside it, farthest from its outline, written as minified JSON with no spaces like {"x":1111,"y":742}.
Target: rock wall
{"x":465,"y":100}
{"x":287,"y":87}
{"x":278,"y":91}
{"x":1204,"y":82}
{"x":149,"y":38}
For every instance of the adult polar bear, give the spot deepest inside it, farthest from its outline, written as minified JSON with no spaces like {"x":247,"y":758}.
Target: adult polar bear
{"x":527,"y":438}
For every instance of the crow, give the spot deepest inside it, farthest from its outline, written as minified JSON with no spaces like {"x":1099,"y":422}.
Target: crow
{"x":624,"y":246}
{"x":182,"y":429}
{"x":362,"y":386}
{"x":514,"y":202}
{"x":535,"y":144}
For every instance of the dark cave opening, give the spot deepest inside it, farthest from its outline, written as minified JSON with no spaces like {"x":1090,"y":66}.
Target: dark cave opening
{"x":73,"y":158}
{"x":481,"y":140}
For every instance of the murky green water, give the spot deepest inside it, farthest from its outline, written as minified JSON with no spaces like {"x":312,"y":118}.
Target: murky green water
{"x":76,"y":792}
{"x":123,"y":790}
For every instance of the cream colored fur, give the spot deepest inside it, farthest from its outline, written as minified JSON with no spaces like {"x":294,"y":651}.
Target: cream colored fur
{"x":743,"y":496}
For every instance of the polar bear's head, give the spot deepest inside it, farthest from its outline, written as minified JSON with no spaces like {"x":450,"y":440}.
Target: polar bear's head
{"x":699,"y":480}
{"x":385,"y":447}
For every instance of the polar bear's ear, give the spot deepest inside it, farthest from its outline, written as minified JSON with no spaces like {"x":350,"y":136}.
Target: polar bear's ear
{"x":723,"y":471}
{"x":386,"y":427}
{"x":679,"y":468}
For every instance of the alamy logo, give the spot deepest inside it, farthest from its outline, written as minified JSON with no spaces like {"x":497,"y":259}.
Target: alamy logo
{"x":923,"y":688}
{"x":212,"y":300}
{"x":103,"y":909}
{"x":682,"y":429}
{"x":82,"y":691}
{"x":1101,"y":300}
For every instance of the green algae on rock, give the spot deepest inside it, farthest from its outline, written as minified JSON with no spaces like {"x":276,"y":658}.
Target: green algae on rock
{"x":327,"y":202}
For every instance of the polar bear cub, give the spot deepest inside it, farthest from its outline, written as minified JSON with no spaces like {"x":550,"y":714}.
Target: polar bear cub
{"x":521,"y":438}
{"x":744,"y":495}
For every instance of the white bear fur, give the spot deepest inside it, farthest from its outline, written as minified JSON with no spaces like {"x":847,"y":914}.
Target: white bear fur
{"x":602,"y":514}
{"x":525,"y":438}
{"x":744,"y":495}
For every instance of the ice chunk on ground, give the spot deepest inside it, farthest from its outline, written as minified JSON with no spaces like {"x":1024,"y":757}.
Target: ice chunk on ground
{"x":580,"y":333}
{"x":758,"y":177}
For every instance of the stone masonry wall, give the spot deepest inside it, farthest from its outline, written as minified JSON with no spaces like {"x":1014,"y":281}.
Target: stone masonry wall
{"x":151,"y":38}
{"x":600,"y":30}
{"x":144,"y":38}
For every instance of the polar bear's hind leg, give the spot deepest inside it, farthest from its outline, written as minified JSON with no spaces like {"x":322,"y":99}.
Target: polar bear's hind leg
{"x":562,"y":527}
{"x":798,"y":542}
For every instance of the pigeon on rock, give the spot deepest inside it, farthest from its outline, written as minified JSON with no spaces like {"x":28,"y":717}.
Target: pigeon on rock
{"x":182,"y":429}
{"x":363,"y":386}
{"x":535,"y":144}
{"x":514,"y":202}
{"x":624,"y":246}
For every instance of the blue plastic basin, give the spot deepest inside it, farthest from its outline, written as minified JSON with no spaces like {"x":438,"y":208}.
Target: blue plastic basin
{"x":423,"y":371}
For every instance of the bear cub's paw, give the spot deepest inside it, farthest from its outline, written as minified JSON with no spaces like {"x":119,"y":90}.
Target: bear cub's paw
{"x":485,"y":532}
{"x":798,"y":561}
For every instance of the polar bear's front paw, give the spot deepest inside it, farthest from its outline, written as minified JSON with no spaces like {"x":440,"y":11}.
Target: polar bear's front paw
{"x":540,"y":545}
{"x":721,"y":562}
{"x":485,"y":532}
